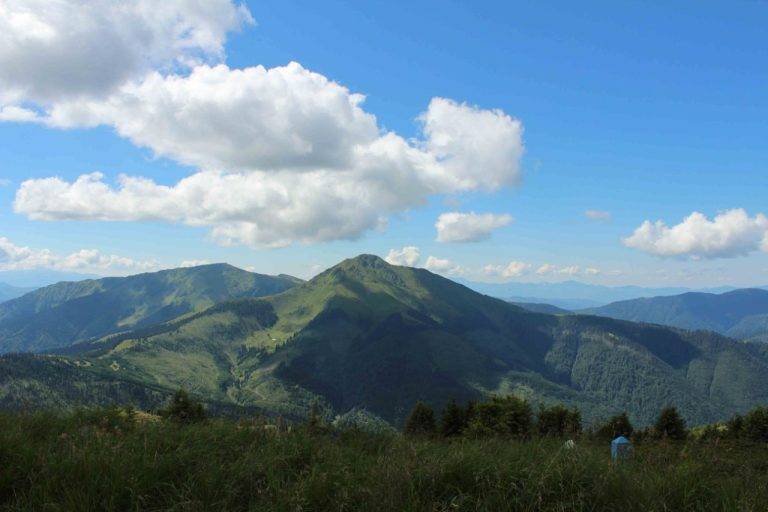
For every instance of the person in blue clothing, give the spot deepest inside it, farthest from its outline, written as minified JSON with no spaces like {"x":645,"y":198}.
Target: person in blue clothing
{"x":621,"y":448}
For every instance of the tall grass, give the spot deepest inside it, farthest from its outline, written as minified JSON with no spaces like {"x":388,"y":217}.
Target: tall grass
{"x":107,"y":461}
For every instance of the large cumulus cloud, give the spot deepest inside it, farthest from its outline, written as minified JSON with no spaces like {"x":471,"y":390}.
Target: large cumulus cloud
{"x":729,"y":234}
{"x":280,"y":155}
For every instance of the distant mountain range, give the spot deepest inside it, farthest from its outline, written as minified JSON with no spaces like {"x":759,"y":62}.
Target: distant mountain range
{"x":363,"y":334}
{"x":538,"y":307}
{"x":574,"y":294}
{"x":62,"y":314}
{"x":741,"y":314}
{"x":8,"y":292}
{"x":40,"y":277}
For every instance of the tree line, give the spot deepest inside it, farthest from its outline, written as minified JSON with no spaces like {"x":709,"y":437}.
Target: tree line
{"x":514,"y":417}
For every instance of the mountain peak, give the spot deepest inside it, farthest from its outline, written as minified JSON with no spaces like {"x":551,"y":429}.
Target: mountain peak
{"x":366,"y":260}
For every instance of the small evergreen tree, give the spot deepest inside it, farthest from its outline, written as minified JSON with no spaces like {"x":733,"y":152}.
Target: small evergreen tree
{"x":469,"y":412}
{"x":616,"y":426}
{"x":756,"y":424}
{"x":735,"y":426}
{"x":315,"y":422}
{"x":453,"y":420}
{"x":558,"y":421}
{"x":421,"y":421}
{"x":508,"y":416}
{"x":670,"y":425}
{"x":184,"y":409}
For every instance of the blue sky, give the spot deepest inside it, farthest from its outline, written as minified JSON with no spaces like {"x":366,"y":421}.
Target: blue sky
{"x":639,"y":111}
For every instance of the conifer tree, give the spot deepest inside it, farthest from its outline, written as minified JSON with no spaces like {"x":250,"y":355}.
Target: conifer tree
{"x":453,"y":420}
{"x":421,"y":421}
{"x":756,"y":424}
{"x":670,"y":425}
{"x":618,"y":425}
{"x":184,"y":409}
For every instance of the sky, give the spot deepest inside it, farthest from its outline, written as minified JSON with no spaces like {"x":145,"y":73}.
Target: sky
{"x":606,"y":142}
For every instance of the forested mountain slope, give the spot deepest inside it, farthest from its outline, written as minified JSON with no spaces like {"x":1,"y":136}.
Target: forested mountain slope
{"x":742,"y":314}
{"x":62,"y":314}
{"x":365,"y":334}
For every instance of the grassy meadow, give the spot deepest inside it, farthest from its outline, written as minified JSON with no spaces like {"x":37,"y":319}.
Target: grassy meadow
{"x":112,"y":461}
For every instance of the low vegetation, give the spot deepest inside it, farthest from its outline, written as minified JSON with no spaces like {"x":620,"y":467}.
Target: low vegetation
{"x":496,"y":455}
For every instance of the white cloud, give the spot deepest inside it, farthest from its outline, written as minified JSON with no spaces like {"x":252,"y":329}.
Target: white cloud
{"x":512,"y":269}
{"x":193,"y":263}
{"x":12,"y":113}
{"x":319,"y":172}
{"x":545,"y":269}
{"x":443,"y":266}
{"x":731,"y":233}
{"x":14,"y":257}
{"x":468,"y":227}
{"x":599,"y":215}
{"x":548,"y":269}
{"x":480,"y":148}
{"x":4,"y":182}
{"x":282,"y":155}
{"x":407,"y":256}
{"x":239,"y":120}
{"x":570,"y":270}
{"x":50,"y":50}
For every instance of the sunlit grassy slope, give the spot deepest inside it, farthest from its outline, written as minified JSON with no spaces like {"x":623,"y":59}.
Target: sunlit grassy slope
{"x":87,"y":462}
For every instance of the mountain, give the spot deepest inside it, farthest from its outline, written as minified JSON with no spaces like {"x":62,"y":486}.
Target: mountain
{"x":62,"y":314}
{"x":741,"y":314}
{"x":539,"y":307}
{"x":39,"y":277}
{"x":368,"y":335}
{"x":574,"y":294}
{"x":566,"y":304}
{"x":8,"y":292}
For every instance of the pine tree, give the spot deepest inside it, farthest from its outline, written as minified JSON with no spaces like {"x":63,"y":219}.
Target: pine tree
{"x":670,"y":425}
{"x":184,"y":409}
{"x":315,"y":422}
{"x":558,"y":421}
{"x":421,"y":421}
{"x":618,"y":425}
{"x":509,"y":416}
{"x":735,"y":426}
{"x":756,"y":424}
{"x":453,"y":421}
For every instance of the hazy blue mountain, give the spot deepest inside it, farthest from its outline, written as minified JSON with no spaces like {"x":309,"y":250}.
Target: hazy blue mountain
{"x":38,"y":278}
{"x":574,"y":294}
{"x":65,"y":313}
{"x":8,"y":292}
{"x":539,"y":307}
{"x":567,"y":304}
{"x":368,"y":335}
{"x":739,"y":313}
